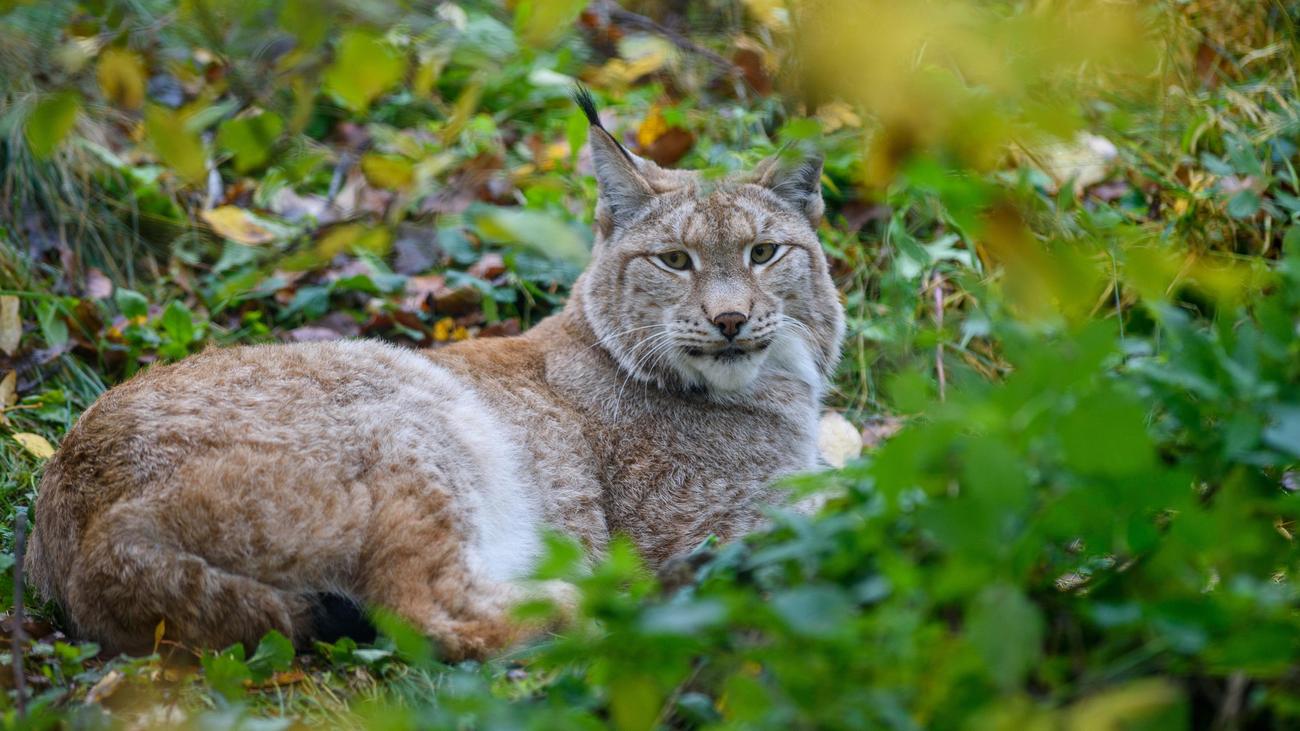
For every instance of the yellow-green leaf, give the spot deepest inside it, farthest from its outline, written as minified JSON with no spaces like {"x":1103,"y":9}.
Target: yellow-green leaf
{"x":250,"y":139}
{"x":388,"y":171}
{"x":540,"y":22}
{"x":122,"y":78}
{"x":51,"y":121}
{"x":35,"y":444}
{"x":176,"y":145}
{"x":364,"y":67}
{"x":238,"y":225}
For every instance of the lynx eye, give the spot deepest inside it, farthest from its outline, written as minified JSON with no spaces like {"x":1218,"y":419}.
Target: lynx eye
{"x":762,"y":253}
{"x":676,"y":259}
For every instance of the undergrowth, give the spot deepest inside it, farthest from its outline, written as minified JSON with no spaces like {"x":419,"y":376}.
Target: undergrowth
{"x":1065,"y":234}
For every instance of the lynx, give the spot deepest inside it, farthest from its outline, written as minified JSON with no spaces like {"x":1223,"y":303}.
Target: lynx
{"x":250,"y":488}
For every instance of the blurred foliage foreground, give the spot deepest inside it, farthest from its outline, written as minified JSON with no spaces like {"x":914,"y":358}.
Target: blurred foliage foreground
{"x":1065,"y":231}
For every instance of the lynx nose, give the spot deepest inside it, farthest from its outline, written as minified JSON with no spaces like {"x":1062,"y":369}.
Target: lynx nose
{"x":729,"y":323}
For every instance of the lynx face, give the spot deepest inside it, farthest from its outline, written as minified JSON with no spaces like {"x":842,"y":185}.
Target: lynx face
{"x":711,"y":285}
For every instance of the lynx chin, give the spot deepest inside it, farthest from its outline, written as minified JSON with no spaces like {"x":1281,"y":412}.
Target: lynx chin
{"x":256,"y":488}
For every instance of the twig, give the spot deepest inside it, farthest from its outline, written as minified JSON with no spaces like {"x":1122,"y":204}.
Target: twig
{"x":938,"y":346}
{"x":1229,"y":716}
{"x":16,"y":642}
{"x":629,"y":19}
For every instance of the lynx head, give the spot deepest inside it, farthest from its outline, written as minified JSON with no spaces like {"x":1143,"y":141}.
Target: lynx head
{"x":710,"y":285}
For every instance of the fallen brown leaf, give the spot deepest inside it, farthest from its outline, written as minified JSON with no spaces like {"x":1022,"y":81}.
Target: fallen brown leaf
{"x":11,"y":325}
{"x":98,"y":286}
{"x":105,"y":687}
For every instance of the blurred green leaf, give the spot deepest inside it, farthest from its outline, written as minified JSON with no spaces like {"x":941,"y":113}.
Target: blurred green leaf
{"x":365,"y":66}
{"x":250,"y":139}
{"x":178,"y":146}
{"x":51,"y":121}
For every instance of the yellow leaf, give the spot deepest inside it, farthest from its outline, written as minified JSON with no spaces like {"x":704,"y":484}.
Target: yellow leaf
{"x":388,"y":171}
{"x":443,"y":329}
{"x":9,"y":390}
{"x":11,"y":326}
{"x":35,"y":444}
{"x":541,"y":21}
{"x":652,"y":127}
{"x":1126,"y":706}
{"x":158,"y":633}
{"x":238,"y":225}
{"x":121,"y":77}
{"x":772,"y":14}
{"x":8,"y":394}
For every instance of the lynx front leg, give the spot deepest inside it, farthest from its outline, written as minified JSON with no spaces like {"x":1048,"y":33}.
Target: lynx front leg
{"x":415,"y":564}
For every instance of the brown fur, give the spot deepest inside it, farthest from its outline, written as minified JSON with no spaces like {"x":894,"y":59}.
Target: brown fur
{"x":221,"y":492}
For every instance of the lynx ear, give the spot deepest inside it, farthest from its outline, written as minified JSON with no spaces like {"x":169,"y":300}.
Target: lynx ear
{"x":624,"y":190}
{"x":796,"y":180}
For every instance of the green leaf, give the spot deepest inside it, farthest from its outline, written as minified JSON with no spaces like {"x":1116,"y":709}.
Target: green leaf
{"x":540,"y":22}
{"x":130,"y":303}
{"x":53,"y":327}
{"x":814,"y":611}
{"x":1244,"y":204}
{"x":176,"y":144}
{"x":365,"y":66}
{"x":274,"y":654}
{"x":576,"y":130}
{"x":226,"y":672}
{"x":1105,"y":434}
{"x":1283,"y":433}
{"x":178,"y":322}
{"x":51,"y":121}
{"x":1006,"y":629}
{"x":540,"y":232}
{"x":634,"y":703}
{"x":250,"y":139}
{"x":411,"y":644}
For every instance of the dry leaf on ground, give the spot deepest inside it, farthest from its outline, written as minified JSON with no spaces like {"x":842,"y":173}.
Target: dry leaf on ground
{"x":11,"y":325}
{"x":36,"y":444}
{"x":238,"y":225}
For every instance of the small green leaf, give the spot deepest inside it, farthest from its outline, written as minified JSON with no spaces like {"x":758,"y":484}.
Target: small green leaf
{"x":226,"y":672}
{"x":130,"y":303}
{"x":540,"y":232}
{"x":250,"y":139}
{"x":178,"y":322}
{"x":814,"y":611}
{"x":1006,"y":629}
{"x":178,"y":146}
{"x":51,"y":121}
{"x":53,"y":327}
{"x":1244,"y":204}
{"x":365,"y":66}
{"x":274,"y":654}
{"x":411,"y":645}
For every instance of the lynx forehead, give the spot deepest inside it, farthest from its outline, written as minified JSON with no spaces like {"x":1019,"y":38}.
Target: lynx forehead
{"x":249,"y":489}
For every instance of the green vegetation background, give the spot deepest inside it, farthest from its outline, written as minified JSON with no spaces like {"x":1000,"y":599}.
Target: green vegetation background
{"x":1066,"y":236}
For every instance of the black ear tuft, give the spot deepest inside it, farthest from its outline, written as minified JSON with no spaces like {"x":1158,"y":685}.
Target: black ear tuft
{"x":587,"y":104}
